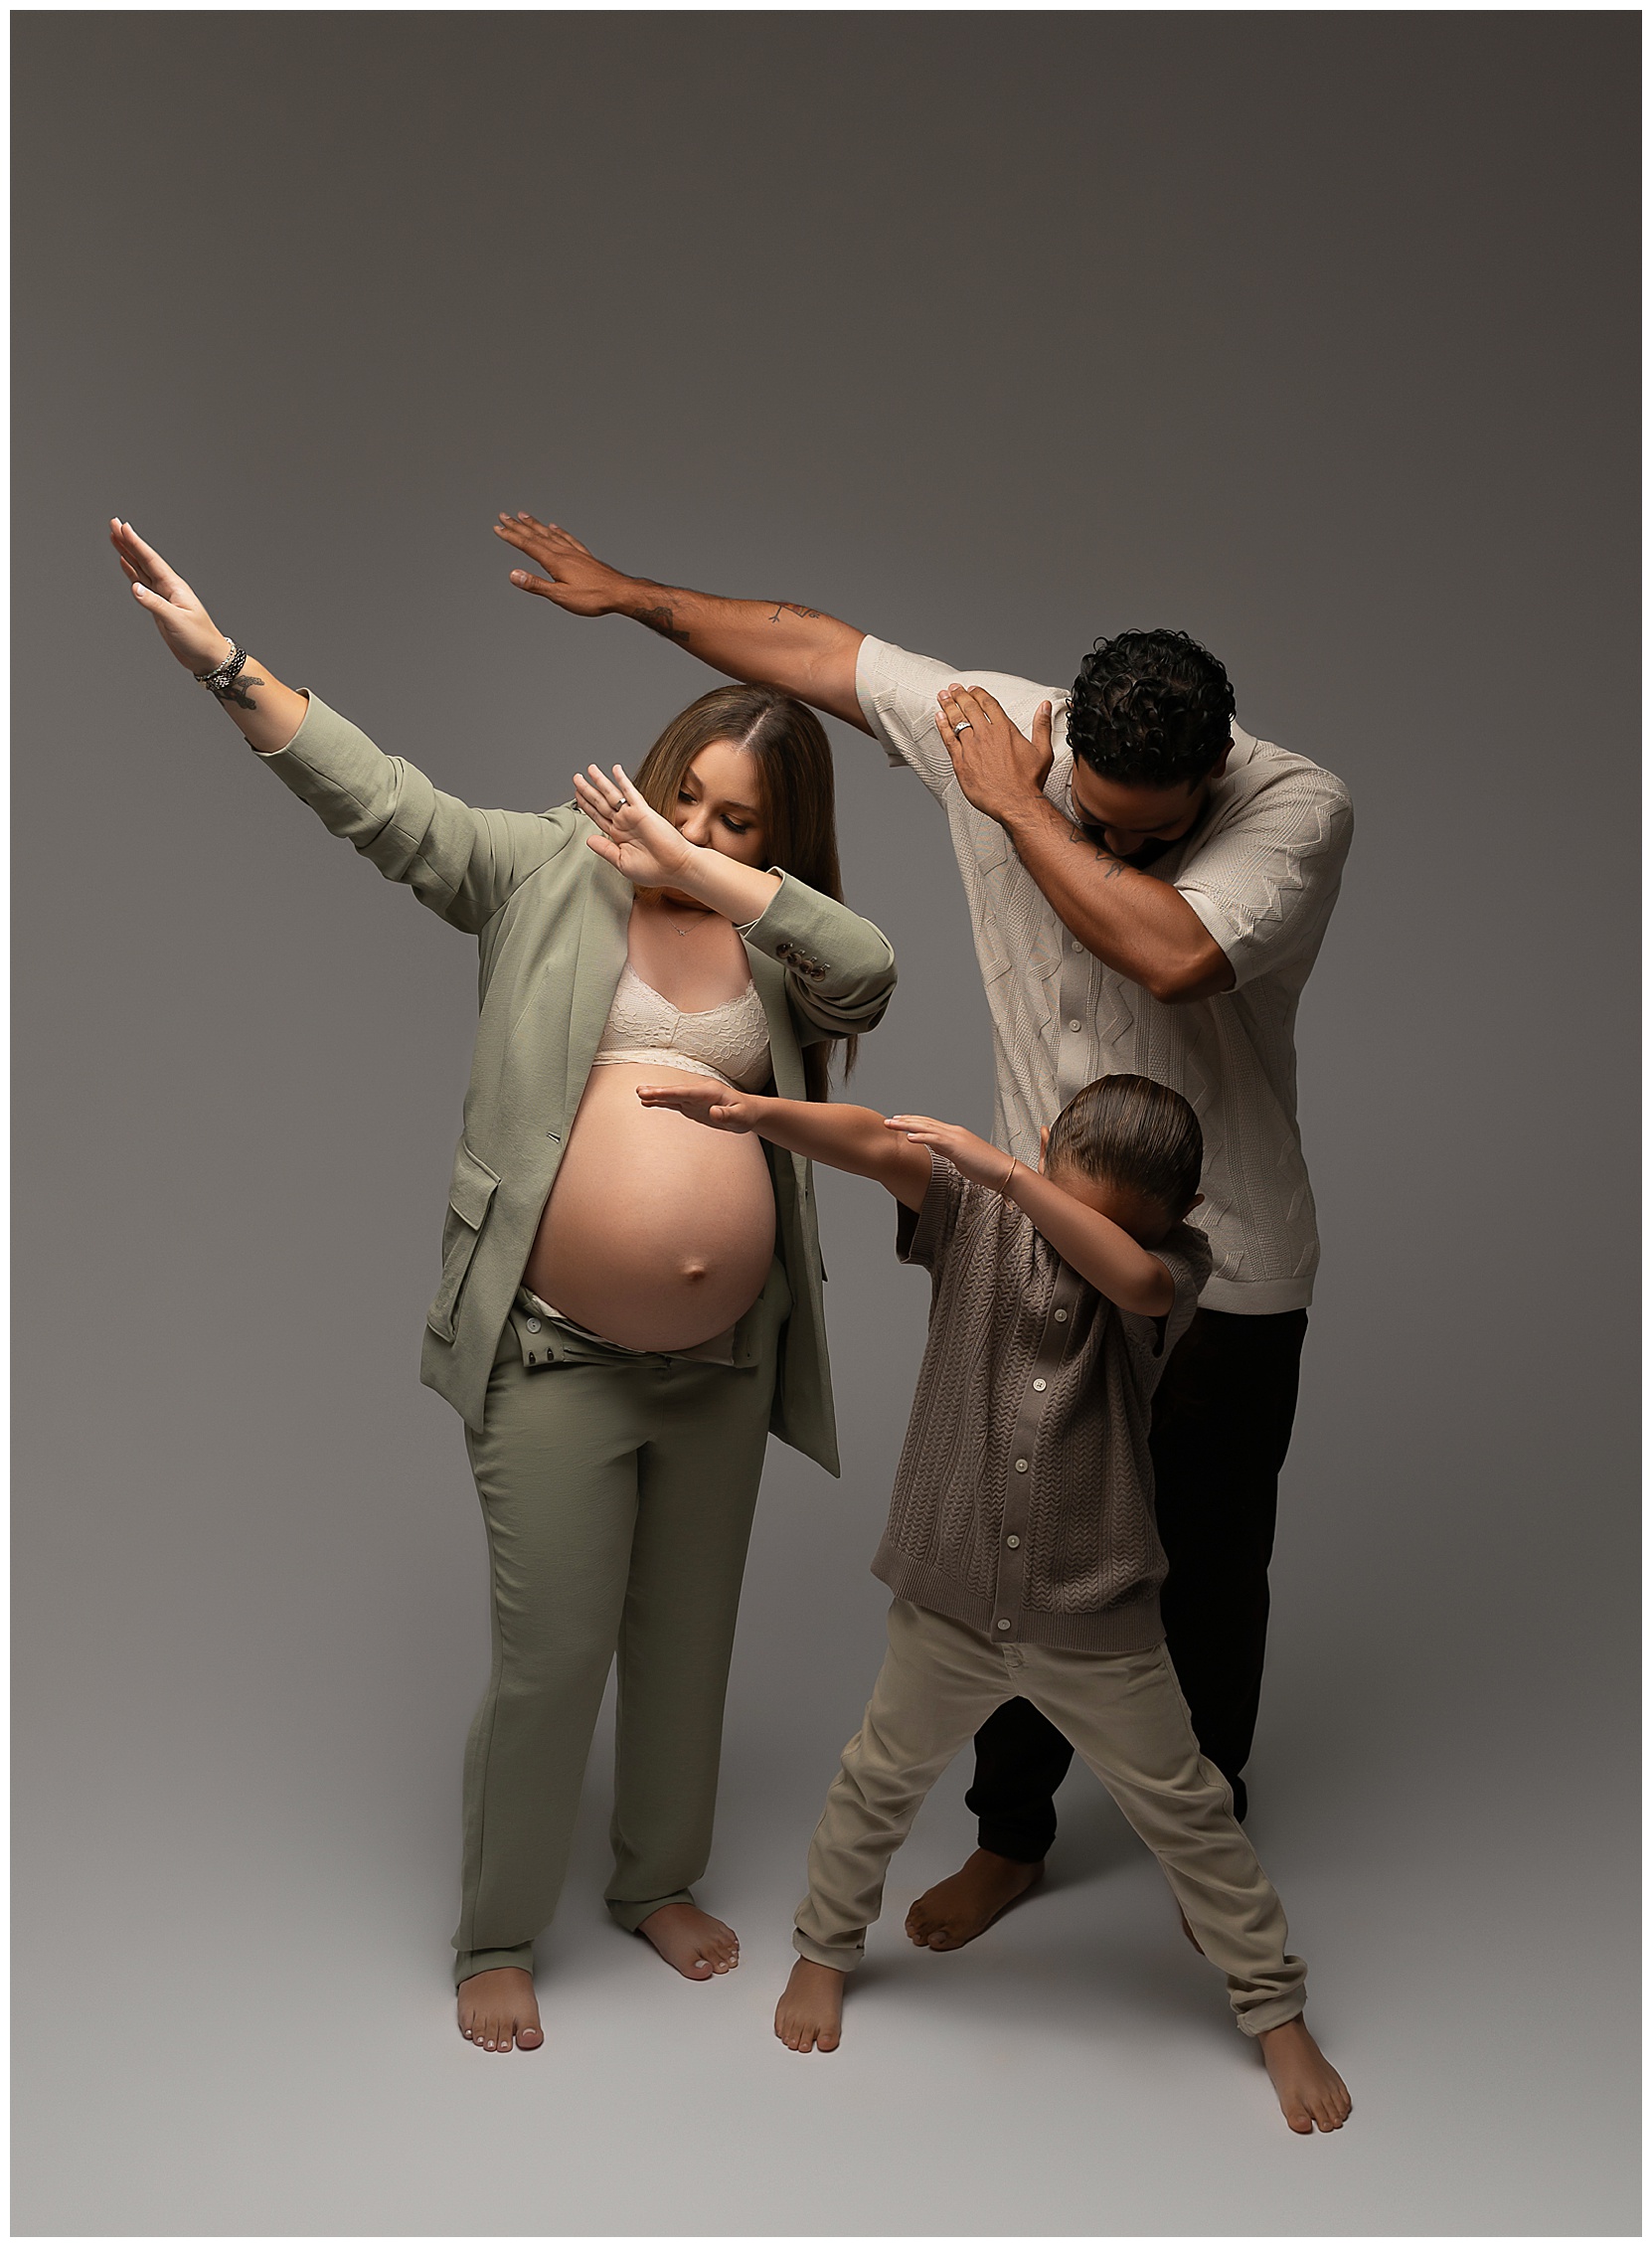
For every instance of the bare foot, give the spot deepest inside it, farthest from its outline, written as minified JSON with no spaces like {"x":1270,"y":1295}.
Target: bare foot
{"x":692,"y":1941}
{"x":1309,"y":2087}
{"x":809,"y":2017}
{"x":498,"y":2009}
{"x":954,"y":1911}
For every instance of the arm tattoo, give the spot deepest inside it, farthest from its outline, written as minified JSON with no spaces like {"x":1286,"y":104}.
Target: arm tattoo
{"x":236,"y":693}
{"x":660,"y":619}
{"x":791,"y":608}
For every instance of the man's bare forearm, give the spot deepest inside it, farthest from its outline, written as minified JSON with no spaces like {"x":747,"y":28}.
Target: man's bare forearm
{"x":777,"y":643}
{"x":1140,"y":926}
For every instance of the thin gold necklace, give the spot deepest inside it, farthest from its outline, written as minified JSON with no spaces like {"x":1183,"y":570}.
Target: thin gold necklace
{"x":670,"y":923}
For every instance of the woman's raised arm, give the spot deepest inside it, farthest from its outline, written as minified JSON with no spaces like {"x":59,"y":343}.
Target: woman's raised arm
{"x":462,"y":863}
{"x":266,"y":712}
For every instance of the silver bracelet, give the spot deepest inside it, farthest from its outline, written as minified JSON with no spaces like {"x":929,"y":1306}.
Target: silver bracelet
{"x":222,"y":674}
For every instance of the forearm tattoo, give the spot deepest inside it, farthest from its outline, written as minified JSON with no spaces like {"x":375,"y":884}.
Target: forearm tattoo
{"x":236,"y":693}
{"x":791,"y":608}
{"x":660,"y":618}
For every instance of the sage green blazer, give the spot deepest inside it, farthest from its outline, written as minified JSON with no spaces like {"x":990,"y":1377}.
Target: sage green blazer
{"x":552,"y":921}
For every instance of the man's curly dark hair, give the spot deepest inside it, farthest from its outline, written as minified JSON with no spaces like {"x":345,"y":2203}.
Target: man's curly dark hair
{"x":1150,"y":709}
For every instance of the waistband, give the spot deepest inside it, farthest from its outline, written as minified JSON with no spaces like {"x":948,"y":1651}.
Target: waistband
{"x":719,"y":1350}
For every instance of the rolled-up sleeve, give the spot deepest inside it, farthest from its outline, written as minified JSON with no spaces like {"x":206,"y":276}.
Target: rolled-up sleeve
{"x":1264,"y":883}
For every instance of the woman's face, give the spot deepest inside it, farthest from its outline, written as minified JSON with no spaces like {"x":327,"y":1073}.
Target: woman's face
{"x":720,"y":802}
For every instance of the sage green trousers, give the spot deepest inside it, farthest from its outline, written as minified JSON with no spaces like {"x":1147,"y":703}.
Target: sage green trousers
{"x":618,"y":1492}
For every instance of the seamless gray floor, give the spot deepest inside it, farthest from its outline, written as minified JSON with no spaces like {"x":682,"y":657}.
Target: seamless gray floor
{"x":235,"y":1950}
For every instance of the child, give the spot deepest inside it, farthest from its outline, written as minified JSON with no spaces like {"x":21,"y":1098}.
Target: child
{"x":1021,"y":1546}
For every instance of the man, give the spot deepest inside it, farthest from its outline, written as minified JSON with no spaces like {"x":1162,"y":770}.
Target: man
{"x":1149,"y":886}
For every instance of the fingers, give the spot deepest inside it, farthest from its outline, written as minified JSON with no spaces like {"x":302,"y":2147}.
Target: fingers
{"x":920,"y":1128}
{"x":968,"y":706}
{"x":604,"y":848}
{"x":592,"y":802}
{"x":606,"y":799}
{"x":1042,"y":720}
{"x":149,"y":562}
{"x":614,"y":793}
{"x":533,"y":537}
{"x":526,"y":582}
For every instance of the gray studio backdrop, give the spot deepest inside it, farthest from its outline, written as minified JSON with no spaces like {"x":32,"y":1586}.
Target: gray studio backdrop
{"x":1310,"y":333}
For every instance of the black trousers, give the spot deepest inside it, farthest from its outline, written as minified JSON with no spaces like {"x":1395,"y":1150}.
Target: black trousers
{"x":1221,"y":1420}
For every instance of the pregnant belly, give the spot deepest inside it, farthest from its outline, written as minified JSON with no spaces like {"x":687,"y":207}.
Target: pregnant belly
{"x":658,"y":1233}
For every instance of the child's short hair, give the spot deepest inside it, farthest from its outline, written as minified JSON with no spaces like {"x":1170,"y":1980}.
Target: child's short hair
{"x":1134,"y":1133}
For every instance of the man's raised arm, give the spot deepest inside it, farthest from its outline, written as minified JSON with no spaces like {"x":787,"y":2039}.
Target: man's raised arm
{"x":775,"y":643}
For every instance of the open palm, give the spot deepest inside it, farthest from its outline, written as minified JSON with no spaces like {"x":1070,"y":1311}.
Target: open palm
{"x":631,"y":835}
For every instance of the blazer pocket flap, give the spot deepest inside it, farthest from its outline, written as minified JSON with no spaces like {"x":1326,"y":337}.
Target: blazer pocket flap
{"x":472,"y":1189}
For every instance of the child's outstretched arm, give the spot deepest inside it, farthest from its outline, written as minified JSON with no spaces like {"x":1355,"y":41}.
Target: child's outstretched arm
{"x":830,"y":1131}
{"x":1097,"y":1249}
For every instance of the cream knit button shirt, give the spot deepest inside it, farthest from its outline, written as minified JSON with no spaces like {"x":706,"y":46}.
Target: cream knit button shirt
{"x":1262,"y":870}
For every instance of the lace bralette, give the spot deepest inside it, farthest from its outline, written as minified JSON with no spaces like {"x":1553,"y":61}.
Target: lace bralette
{"x":729,"y":1041}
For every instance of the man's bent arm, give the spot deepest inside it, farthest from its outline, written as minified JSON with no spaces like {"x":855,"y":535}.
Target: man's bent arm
{"x":1141,"y":927}
{"x":776,"y":643}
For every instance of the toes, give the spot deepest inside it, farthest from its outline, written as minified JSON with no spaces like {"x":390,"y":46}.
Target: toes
{"x":529,"y":2039}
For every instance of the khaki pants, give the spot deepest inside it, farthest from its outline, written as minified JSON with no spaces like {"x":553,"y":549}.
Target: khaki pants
{"x":1126,"y":1715}
{"x":618,"y":1491}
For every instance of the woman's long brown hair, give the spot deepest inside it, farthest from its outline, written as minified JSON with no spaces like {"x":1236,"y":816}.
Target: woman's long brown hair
{"x":799,"y":804}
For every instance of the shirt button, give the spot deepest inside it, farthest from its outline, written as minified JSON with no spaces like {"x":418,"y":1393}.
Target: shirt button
{"x":1012,"y":1542}
{"x":1041,"y":1386}
{"x":1074,"y":1023}
{"x":1021,"y":1467}
{"x":1004,"y":1622}
{"x":1059,"y":1316}
{"x":532,"y":1325}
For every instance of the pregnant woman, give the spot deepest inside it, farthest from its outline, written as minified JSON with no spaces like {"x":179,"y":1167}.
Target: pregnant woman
{"x":627,"y":1304}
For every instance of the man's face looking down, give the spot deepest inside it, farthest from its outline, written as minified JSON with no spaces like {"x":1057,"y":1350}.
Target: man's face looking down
{"x":1130,"y":818}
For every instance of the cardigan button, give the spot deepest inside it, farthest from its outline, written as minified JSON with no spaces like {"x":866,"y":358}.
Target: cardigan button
{"x":1004,"y":1622}
{"x":1021,"y":1467}
{"x":1012,"y":1542}
{"x":1041,"y":1386}
{"x":1060,"y":1315}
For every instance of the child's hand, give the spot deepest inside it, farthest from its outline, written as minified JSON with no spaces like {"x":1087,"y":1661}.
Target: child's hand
{"x":976,"y":1158}
{"x":718,"y":1106}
